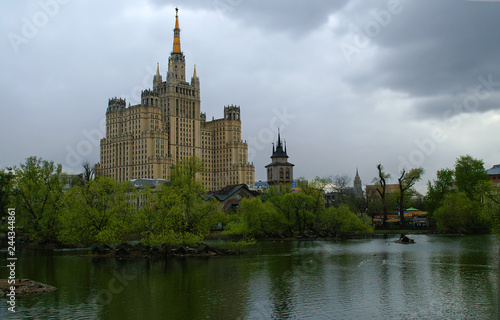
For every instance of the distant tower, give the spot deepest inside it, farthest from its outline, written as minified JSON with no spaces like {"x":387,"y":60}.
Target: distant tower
{"x":279,"y":170}
{"x":358,"y":190}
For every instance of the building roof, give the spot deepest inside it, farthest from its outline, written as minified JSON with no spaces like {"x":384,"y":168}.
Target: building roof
{"x":279,"y":152}
{"x":283,"y":164}
{"x":152,"y":183}
{"x":494,"y":170}
{"x":228,"y":191}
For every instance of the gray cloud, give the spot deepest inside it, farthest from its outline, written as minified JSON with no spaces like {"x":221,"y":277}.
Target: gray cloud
{"x":266,"y":57}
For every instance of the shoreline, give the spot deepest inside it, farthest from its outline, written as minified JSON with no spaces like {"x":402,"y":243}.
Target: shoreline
{"x":167,"y":249}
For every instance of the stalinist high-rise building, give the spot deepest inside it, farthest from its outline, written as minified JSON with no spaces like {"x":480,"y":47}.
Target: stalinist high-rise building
{"x":145,"y":140}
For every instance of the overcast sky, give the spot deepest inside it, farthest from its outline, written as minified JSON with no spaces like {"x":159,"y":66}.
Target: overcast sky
{"x":350,"y":83}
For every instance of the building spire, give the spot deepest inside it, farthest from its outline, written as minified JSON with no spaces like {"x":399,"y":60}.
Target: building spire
{"x":176,"y":18}
{"x":194,"y":74}
{"x":157,"y":68}
{"x":177,"y":37}
{"x":279,"y":139}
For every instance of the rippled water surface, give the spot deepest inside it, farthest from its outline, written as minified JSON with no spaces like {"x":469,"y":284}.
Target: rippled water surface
{"x":436,"y":278}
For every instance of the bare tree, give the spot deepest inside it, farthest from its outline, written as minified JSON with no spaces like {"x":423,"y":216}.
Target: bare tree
{"x":406,"y":181}
{"x":381,"y":180}
{"x":341,"y":184}
{"x":88,"y":172}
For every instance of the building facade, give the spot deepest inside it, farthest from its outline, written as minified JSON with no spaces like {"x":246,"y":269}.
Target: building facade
{"x":494,"y":173}
{"x":372,"y":194}
{"x":279,"y":171}
{"x":145,"y":140}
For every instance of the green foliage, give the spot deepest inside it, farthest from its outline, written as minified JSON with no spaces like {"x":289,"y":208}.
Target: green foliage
{"x":255,"y":217}
{"x":294,"y":212}
{"x":99,"y":211}
{"x":177,"y":213}
{"x":437,"y":190}
{"x":470,"y":176}
{"x":237,"y":245}
{"x":342,"y":221}
{"x":38,"y":191}
{"x":464,"y":199}
{"x":6,"y":190}
{"x":492,"y":207}
{"x":460,"y":214}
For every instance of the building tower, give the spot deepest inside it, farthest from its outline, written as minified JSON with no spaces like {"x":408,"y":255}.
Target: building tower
{"x":167,"y":126}
{"x":358,"y":190}
{"x":279,"y":171}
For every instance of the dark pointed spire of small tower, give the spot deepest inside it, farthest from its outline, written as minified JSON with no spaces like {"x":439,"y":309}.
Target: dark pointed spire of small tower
{"x":279,"y":171}
{"x":279,"y":139}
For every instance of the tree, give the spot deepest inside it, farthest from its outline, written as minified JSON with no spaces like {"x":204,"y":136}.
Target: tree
{"x":179,"y":212}
{"x":314,"y":189}
{"x":470,"y":176}
{"x":381,"y":181}
{"x":6,"y":185}
{"x":38,"y":190}
{"x":301,"y":206}
{"x":436,"y":191}
{"x":255,"y":217}
{"x":406,"y":181}
{"x":342,"y":221}
{"x":99,"y":211}
{"x":88,"y":172}
{"x":492,"y":207}
{"x":459,"y":214}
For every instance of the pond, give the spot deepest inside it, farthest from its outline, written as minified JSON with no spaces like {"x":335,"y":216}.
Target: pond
{"x":438,"y":277}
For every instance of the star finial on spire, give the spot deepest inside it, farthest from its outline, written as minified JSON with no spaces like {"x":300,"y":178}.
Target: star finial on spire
{"x":177,"y":40}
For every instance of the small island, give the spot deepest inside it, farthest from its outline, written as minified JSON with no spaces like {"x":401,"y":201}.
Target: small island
{"x":23,"y":287}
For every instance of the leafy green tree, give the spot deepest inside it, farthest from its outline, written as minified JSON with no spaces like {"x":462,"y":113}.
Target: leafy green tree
{"x":314,"y":189}
{"x":283,"y":208}
{"x":38,"y":191}
{"x":178,"y":213}
{"x":342,"y":221}
{"x":458,"y":213}
{"x":406,"y":181}
{"x":99,"y":211}
{"x":256,"y":217}
{"x":470,"y":176}
{"x":439,"y":188}
{"x":492,"y":205}
{"x":301,"y":206}
{"x":6,"y":190}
